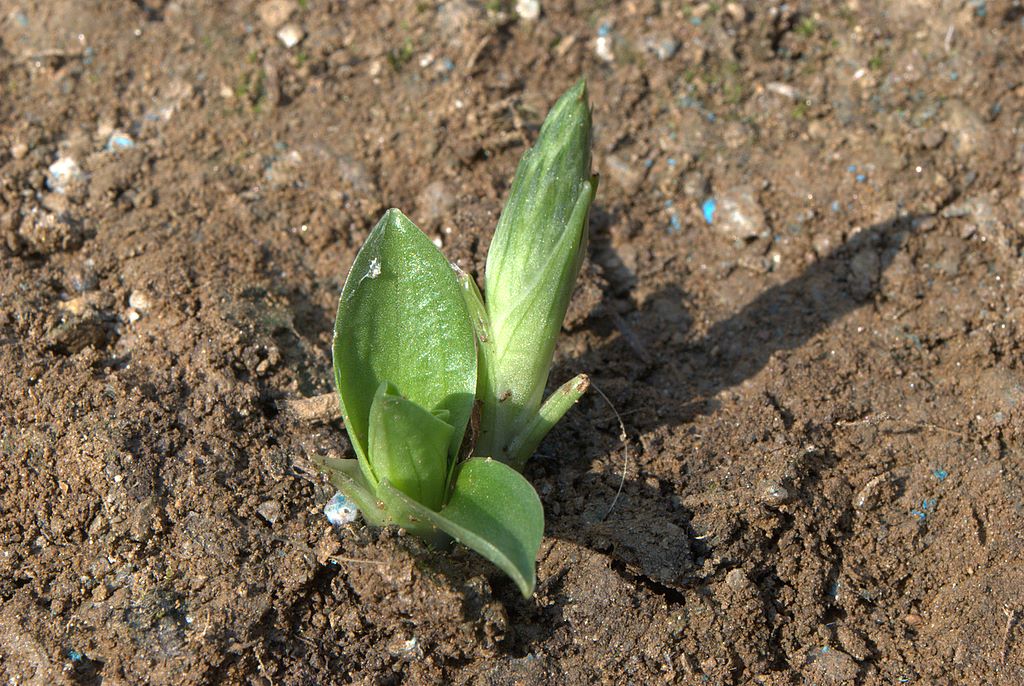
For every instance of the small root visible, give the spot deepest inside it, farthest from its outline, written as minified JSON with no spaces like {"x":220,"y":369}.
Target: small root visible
{"x":625,"y":449}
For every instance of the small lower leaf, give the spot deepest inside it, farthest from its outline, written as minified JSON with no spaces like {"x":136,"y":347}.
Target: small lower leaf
{"x":409,"y":447}
{"x":492,"y":510}
{"x":553,"y":409}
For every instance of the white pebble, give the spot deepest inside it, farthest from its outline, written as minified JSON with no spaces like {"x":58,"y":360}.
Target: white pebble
{"x":139,"y":300}
{"x":340,"y":511}
{"x":528,"y":9}
{"x":63,"y":172}
{"x":603,"y":48}
{"x":291,"y":35}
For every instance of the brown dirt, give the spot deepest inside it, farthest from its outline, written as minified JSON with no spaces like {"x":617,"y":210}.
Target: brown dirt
{"x":824,"y":407}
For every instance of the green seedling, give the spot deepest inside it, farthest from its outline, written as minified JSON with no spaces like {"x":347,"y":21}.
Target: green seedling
{"x":441,"y":388}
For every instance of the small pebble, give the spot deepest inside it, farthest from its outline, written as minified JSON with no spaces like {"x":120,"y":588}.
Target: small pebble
{"x":831,"y":665}
{"x":737,"y":580}
{"x":737,"y":11}
{"x":739,"y":214}
{"x":603,"y":49}
{"x":867,"y":498}
{"x":270,"y":510}
{"x":63,"y":173}
{"x":783,"y":89}
{"x":865,"y":270}
{"x":139,"y":300}
{"x":83,"y":278}
{"x":273,"y":13}
{"x":528,"y":9}
{"x":19,"y":150}
{"x":933,"y":138}
{"x":695,"y":185}
{"x":662,"y":47}
{"x":773,"y":494}
{"x":290,"y":35}
{"x":119,"y":141}
{"x":340,"y":511}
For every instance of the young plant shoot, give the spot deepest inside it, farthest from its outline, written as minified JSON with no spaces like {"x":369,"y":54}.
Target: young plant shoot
{"x":416,"y":348}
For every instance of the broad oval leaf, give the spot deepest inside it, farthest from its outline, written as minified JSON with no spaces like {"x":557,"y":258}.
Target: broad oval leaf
{"x":493,"y":510}
{"x":409,"y":447}
{"x":402,"y":319}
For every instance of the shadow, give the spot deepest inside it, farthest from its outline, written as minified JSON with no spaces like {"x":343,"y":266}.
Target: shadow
{"x":653,"y":346}
{"x":657,"y":375}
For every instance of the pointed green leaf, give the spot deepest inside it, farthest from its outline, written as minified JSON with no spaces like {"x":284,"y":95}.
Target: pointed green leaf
{"x":409,"y":447}
{"x":554,"y":408}
{"x":492,"y":510}
{"x":402,"y":319}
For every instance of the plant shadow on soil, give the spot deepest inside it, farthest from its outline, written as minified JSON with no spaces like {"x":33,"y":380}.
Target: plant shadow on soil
{"x":648,"y":534}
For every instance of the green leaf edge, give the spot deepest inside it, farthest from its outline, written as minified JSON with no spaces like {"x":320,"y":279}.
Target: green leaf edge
{"x":522,"y":447}
{"x":525,"y":578}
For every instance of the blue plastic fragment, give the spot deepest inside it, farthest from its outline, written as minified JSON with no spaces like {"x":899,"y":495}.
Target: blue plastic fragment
{"x":940,"y":474}
{"x":861,"y":178}
{"x":604,"y":29}
{"x":75,"y":656}
{"x":922,"y":512}
{"x":340,"y":511}
{"x":677,"y":225}
{"x":852,"y":168}
{"x":708,"y":208}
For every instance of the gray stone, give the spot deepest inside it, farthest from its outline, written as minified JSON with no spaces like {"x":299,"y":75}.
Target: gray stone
{"x":739,"y":215}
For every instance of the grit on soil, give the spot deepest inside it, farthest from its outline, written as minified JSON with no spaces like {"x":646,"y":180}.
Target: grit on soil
{"x":822,"y":388}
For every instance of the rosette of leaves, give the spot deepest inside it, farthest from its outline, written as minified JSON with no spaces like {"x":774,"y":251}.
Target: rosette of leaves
{"x":419,"y":354}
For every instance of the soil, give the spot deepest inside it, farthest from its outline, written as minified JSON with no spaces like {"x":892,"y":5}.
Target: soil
{"x":821,"y":476}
